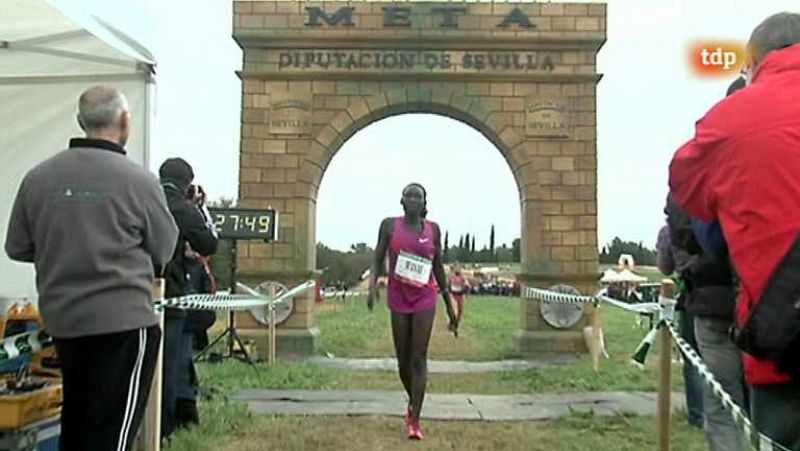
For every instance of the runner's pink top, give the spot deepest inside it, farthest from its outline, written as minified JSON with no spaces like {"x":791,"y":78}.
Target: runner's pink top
{"x":412,"y":287}
{"x":458,"y":287}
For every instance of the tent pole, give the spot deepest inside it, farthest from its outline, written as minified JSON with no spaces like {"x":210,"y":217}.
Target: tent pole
{"x":149,"y":115}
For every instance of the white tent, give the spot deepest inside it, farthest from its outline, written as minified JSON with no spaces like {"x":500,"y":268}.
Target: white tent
{"x":47,"y":58}
{"x":610,"y":276}
{"x":627,"y":275}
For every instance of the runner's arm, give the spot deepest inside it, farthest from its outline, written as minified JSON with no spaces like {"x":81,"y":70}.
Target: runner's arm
{"x":438,"y":271}
{"x":384,"y":232}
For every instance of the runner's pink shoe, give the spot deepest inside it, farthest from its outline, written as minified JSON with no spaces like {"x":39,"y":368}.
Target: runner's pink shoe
{"x":414,"y":431}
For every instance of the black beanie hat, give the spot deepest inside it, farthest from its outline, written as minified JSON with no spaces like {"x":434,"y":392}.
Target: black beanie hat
{"x":177,"y":171}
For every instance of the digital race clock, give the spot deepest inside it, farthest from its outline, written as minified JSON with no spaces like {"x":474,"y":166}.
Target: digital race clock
{"x":243,"y":223}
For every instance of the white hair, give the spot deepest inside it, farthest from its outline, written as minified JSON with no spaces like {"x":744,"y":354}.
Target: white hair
{"x":101,"y":107}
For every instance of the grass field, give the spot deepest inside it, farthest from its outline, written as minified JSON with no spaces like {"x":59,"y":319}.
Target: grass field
{"x":487,"y":334}
{"x":577,"y":432}
{"x":229,"y":427}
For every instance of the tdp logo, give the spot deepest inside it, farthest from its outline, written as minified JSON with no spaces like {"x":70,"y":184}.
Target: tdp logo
{"x":716,"y":58}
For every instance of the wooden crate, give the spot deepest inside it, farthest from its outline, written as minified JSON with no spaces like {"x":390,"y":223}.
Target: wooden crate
{"x":19,"y":410}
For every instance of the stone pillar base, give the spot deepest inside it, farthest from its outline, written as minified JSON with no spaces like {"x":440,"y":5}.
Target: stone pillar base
{"x":297,"y":336}
{"x":535,"y":335}
{"x":533,"y":342}
{"x":291,"y":343}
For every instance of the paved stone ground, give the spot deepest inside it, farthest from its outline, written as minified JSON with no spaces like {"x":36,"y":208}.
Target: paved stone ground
{"x":449,"y":406}
{"x":447,"y":366}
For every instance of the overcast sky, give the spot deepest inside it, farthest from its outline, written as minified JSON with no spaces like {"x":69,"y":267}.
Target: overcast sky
{"x":648,"y":102}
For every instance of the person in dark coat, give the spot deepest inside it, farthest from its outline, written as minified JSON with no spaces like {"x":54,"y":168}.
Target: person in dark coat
{"x":194,"y":230}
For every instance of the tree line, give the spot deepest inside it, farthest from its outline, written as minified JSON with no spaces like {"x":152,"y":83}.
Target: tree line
{"x":642,"y":255}
{"x":466,"y":252}
{"x":348,"y":266}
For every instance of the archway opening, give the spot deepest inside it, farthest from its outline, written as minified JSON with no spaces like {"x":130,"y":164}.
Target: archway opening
{"x":472,"y":195}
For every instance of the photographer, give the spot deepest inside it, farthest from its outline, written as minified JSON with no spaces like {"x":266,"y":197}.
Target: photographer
{"x":194,"y":229}
{"x":200,"y":279}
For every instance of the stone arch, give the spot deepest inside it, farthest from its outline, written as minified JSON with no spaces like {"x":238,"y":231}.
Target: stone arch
{"x":529,"y":89}
{"x":467,"y":109}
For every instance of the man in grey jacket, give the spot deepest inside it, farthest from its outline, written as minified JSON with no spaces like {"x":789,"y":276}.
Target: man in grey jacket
{"x":94,"y":223}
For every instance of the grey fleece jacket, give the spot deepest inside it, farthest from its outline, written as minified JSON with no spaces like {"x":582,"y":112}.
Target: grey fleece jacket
{"x":93,"y":222}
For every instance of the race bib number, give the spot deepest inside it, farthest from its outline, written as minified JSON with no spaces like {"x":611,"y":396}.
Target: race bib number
{"x":455,"y":288}
{"x":413,"y":269}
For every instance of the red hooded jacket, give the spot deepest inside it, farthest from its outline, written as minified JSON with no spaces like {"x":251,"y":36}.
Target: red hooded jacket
{"x":743,"y":168}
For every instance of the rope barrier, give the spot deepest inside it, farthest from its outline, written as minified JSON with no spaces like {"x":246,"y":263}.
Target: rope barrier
{"x":31,"y":342}
{"x":552,"y":296}
{"x":211,"y":302}
{"x":666,"y":310}
{"x":307,"y":285}
{"x":599,"y":298}
{"x":645,"y":308}
{"x":639,"y":356}
{"x":24,"y":343}
{"x":760,"y":441}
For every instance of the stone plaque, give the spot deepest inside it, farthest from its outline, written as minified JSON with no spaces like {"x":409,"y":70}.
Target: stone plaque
{"x":290,"y":116}
{"x":547,"y":117}
{"x":347,"y":61}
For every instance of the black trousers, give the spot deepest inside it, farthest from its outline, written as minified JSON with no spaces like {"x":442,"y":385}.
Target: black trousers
{"x":172,"y":370}
{"x":106,"y":385}
{"x":774,"y":411}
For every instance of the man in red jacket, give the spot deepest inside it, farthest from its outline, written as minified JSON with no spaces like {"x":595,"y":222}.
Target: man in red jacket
{"x":742,"y":169}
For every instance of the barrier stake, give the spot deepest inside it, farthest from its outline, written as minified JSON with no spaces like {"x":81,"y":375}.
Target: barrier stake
{"x":272,"y":345}
{"x":665,"y":371}
{"x":597,"y":323}
{"x":150,"y":432}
